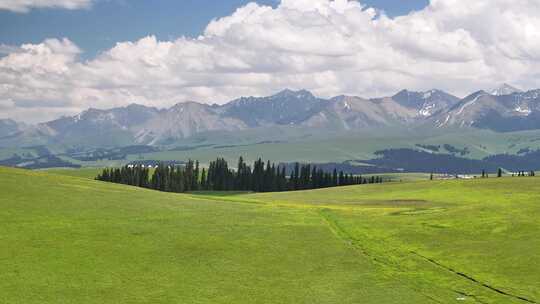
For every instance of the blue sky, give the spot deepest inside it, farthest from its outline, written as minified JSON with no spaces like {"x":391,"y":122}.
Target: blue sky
{"x":108,"y":21}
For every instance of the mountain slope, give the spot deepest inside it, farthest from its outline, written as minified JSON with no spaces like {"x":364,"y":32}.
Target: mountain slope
{"x":505,"y":89}
{"x":504,"y":113}
{"x":136,"y":124}
{"x":9,"y":127}
{"x":285,"y":108}
{"x":100,"y":127}
{"x":184,"y":120}
{"x":426,"y":104}
{"x":403,"y":109}
{"x":355,"y":113}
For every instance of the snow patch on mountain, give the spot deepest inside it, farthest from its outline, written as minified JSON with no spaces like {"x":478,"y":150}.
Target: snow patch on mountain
{"x":428,"y":94}
{"x":523,"y":110}
{"x":427,"y":110}
{"x":469,"y":103}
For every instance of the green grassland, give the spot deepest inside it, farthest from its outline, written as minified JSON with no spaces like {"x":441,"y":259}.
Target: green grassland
{"x":89,"y":172}
{"x":485,"y":229}
{"x":69,"y":239}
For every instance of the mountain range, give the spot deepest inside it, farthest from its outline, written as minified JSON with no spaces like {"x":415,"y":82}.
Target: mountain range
{"x":10,"y":127}
{"x":504,"y":109}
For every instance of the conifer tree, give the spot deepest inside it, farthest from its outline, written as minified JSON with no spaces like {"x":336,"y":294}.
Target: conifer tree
{"x":218,"y":177}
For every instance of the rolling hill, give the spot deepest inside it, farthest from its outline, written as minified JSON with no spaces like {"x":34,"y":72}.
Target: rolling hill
{"x":74,"y":240}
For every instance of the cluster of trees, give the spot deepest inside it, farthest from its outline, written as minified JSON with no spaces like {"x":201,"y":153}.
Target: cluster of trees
{"x":164,"y":177}
{"x":260,"y":177}
{"x":134,"y":176}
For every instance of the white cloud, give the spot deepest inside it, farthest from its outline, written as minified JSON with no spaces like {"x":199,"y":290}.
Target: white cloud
{"x":23,"y":6}
{"x":6,"y":49}
{"x":329,"y":47}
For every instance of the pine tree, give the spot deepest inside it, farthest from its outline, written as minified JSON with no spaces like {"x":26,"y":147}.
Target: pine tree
{"x":313,"y":183}
{"x":218,"y":177}
{"x":240,"y":174}
{"x":296,"y":176}
{"x":195,"y":183}
{"x":203,"y":179}
{"x":283,"y":179}
{"x":274,"y":178}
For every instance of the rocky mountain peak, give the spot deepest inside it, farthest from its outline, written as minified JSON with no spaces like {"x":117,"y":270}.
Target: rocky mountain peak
{"x":505,"y":89}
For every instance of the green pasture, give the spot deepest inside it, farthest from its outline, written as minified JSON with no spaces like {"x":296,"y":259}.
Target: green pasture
{"x":70,"y":239}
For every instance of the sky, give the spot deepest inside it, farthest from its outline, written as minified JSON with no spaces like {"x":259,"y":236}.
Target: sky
{"x":100,"y":26}
{"x":60,"y":57}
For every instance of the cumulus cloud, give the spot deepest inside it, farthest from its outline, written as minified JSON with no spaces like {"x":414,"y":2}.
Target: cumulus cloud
{"x":329,"y":47}
{"x":23,"y":6}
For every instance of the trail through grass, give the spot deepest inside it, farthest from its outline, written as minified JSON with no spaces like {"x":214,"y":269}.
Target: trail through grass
{"x":485,"y":230}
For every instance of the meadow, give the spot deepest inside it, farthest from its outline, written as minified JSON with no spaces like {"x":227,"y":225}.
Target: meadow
{"x":88,"y":172}
{"x":70,"y":239}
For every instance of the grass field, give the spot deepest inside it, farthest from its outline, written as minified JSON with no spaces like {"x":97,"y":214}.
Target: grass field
{"x":90,"y":173}
{"x":69,"y":239}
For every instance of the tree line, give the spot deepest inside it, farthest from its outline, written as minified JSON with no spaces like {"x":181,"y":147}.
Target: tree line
{"x":259,"y":177}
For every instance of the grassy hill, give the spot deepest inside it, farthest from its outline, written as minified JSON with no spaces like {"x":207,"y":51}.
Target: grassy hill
{"x":90,"y":173}
{"x":67,"y":239}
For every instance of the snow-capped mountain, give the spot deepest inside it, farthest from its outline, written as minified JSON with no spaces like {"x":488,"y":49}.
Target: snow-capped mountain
{"x":355,"y":113}
{"x":426,"y":104}
{"x":184,"y":120}
{"x":136,"y":124}
{"x":510,"y":112}
{"x":106,"y":127}
{"x":505,"y":89}
{"x":284,"y":108}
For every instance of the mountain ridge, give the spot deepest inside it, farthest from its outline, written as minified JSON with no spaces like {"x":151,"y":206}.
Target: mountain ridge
{"x":139,"y":124}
